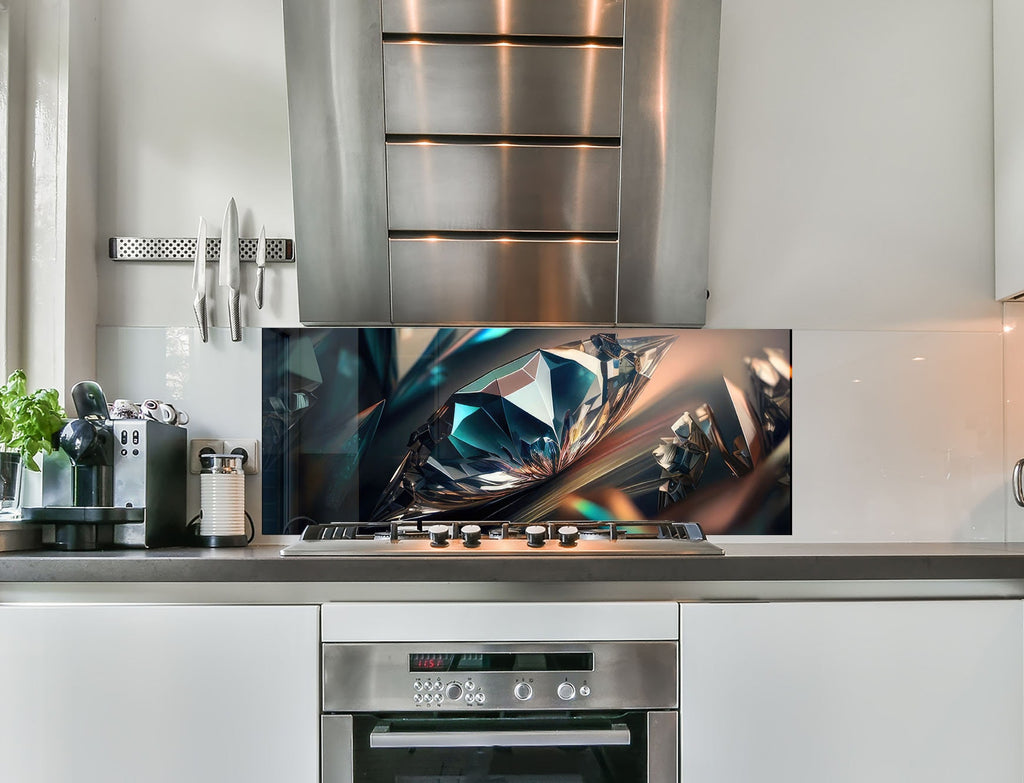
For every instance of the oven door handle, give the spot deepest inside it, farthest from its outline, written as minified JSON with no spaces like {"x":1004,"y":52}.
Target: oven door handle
{"x":383,"y":737}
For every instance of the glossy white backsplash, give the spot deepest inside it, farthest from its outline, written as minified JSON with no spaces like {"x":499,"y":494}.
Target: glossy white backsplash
{"x":897,"y":436}
{"x":1013,"y":395}
{"x":217,"y":383}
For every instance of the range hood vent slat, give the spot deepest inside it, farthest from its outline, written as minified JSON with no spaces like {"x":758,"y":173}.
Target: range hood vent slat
{"x":505,"y":139}
{"x":492,"y":39}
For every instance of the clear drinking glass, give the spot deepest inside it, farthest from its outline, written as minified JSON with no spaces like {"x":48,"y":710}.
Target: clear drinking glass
{"x":10,"y":483}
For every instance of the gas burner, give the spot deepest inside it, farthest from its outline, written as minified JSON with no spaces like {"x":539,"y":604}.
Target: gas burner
{"x":503,"y":538}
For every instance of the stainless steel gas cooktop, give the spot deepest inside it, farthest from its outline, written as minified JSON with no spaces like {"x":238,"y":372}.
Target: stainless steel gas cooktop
{"x":561,"y":538}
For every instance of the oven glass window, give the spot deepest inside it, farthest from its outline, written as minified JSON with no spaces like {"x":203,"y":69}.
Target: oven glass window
{"x":480,"y":758}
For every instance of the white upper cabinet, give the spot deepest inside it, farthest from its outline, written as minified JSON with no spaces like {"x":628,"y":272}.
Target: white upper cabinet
{"x":1008,"y":129}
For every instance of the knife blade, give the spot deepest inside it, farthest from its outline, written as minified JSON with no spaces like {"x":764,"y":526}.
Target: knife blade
{"x":229,"y":272}
{"x":261,"y":262}
{"x":199,"y":282}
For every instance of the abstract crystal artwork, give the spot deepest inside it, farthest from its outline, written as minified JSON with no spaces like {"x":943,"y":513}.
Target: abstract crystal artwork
{"x":764,"y":426}
{"x":520,"y":424}
{"x":527,"y":424}
{"x":682,"y":459}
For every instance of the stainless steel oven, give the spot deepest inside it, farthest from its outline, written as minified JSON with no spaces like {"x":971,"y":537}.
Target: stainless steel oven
{"x":524,"y":712}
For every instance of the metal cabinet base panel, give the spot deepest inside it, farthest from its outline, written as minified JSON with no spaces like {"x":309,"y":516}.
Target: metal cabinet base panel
{"x":521,"y":119}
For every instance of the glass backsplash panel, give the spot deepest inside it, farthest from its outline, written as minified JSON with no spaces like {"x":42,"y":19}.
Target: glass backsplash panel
{"x":527,"y":424}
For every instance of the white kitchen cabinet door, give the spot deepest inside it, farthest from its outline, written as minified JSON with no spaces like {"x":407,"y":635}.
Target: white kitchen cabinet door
{"x":886,"y":692}
{"x":159,"y":694}
{"x":1008,"y":135}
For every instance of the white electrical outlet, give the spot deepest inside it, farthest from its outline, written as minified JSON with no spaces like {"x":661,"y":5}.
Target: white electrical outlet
{"x":251,"y":449}
{"x":198,"y":445}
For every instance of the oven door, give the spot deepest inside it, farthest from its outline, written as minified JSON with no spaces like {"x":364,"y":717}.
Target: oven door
{"x":630,"y":747}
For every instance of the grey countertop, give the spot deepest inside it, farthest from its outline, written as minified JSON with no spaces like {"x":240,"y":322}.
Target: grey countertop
{"x":742,"y":562}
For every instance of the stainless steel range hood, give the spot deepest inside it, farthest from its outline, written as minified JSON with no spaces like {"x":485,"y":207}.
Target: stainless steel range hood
{"x":502,"y":161}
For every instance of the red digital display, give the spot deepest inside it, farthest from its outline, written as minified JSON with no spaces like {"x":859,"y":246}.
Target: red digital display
{"x":501,"y":662}
{"x":430,"y":662}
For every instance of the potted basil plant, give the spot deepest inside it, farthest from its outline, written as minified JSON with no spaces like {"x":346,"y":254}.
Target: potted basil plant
{"x":28,"y":423}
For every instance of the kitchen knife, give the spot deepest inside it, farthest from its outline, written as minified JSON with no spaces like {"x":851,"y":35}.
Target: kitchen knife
{"x":229,"y":274}
{"x":261,"y":262}
{"x":199,"y":282}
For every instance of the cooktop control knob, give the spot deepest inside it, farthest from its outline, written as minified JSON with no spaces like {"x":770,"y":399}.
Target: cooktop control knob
{"x":438,"y":535}
{"x":535,"y":535}
{"x":568,"y":535}
{"x":471,"y":535}
{"x":453,"y":692}
{"x":566,"y":691}
{"x":522,"y":691}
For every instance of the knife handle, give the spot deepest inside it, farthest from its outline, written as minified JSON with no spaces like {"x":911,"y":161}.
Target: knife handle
{"x":234,"y":317}
{"x":199,"y":306}
{"x":258,"y":295}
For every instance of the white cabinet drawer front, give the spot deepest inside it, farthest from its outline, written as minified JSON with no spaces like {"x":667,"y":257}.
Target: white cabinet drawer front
{"x":893,"y":691}
{"x":160,"y":694}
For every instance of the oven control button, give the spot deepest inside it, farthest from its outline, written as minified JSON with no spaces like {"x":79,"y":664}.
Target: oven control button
{"x":417,"y":686}
{"x":469,"y":698}
{"x":535,"y":535}
{"x":584,"y":690}
{"x":438,"y":535}
{"x":471,"y":535}
{"x":470,"y":685}
{"x":438,"y":698}
{"x":453,"y":691}
{"x":568,"y":535}
{"x":479,"y":698}
{"x":417,"y":699}
{"x":522,"y":691}
{"x":566,"y":691}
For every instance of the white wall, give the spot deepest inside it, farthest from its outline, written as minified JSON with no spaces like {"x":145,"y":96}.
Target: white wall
{"x":852,"y":203}
{"x":194,"y":112}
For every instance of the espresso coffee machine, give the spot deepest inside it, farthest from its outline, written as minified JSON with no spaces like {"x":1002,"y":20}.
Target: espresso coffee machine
{"x":114,"y":482}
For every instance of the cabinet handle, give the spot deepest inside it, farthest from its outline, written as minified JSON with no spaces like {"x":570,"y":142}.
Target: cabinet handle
{"x":382,"y":737}
{"x":1018,"y":488}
